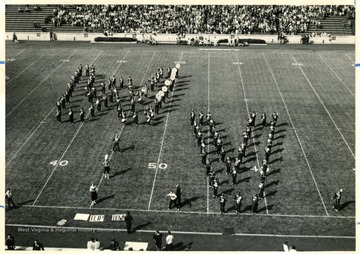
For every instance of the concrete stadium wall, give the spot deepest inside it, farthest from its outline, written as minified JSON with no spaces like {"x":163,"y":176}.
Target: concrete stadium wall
{"x":171,"y":38}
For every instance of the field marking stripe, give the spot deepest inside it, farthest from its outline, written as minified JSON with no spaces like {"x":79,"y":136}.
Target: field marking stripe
{"x":162,"y":140}
{"x":336,"y":75}
{"x":53,"y":171}
{"x":7,"y":164}
{"x":327,"y":111}
{"x":39,"y":85}
{"x":296,"y":134}
{"x":248,"y":111}
{"x":208,"y":145}
{"x":25,"y":69}
{"x":190,"y":212}
{"x":17,"y":53}
{"x":349,"y":58}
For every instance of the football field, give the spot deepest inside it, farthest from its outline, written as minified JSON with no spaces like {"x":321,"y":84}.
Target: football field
{"x":50,"y":166}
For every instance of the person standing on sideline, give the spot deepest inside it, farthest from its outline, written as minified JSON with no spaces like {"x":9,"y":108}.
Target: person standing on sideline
{"x":222,"y":203}
{"x":178,"y":195}
{"x":169,"y":241}
{"x":255,"y":203}
{"x":128,"y":221}
{"x":173,"y":198}
{"x":93,"y":193}
{"x":9,"y":199}
{"x":336,"y":199}
{"x":38,"y":246}
{"x":106,"y":165}
{"x":286,"y":246}
{"x":238,"y":200}
{"x":116,"y":144}
{"x":15,"y":38}
{"x":158,"y":240}
{"x":10,"y":242}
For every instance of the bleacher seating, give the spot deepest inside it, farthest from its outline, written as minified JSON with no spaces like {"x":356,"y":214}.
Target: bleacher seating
{"x":24,"y":21}
{"x":183,"y":19}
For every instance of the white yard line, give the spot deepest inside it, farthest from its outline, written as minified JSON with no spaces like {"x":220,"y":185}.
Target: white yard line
{"x":9,"y":81}
{"x":327,"y":111}
{"x":7,"y":164}
{"x":337,"y":76}
{"x":82,"y":123}
{"x":98,"y":229}
{"x":297,"y":136}
{"x":62,"y":156}
{"x":38,"y":126}
{"x":28,"y":94}
{"x":162,"y":141}
{"x":191,"y":212}
{"x":208,"y":145}
{"x":353,"y":61}
{"x":17,"y":53}
{"x":248,"y":111}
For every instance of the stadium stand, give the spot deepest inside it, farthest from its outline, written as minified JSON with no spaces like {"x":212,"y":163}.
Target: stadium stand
{"x":220,"y":19}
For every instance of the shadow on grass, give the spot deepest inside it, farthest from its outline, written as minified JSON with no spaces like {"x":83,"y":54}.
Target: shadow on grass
{"x":271,"y":193}
{"x":24,"y":203}
{"x":276,"y":160}
{"x":274,"y":171}
{"x":279,"y":131}
{"x":246,"y":179}
{"x":92,"y":119}
{"x":272,"y":183}
{"x":141,"y":226}
{"x":121,"y":172}
{"x":250,"y":160}
{"x":188,"y":201}
{"x":105,"y":198}
{"x":278,"y":151}
{"x":252,"y":144}
{"x":257,"y":136}
{"x":269,"y":207}
{"x":278,"y":144}
{"x":230,"y":150}
{"x":346,"y":204}
{"x":178,"y":95}
{"x":282,"y":124}
{"x":279,"y":137}
{"x":128,"y":148}
{"x":228,"y":191}
{"x":155,"y":124}
{"x":219,"y":170}
{"x":223,"y":182}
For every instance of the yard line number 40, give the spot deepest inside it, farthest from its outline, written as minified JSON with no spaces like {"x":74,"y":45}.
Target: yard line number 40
{"x":154,"y":165}
{"x":62,"y":163}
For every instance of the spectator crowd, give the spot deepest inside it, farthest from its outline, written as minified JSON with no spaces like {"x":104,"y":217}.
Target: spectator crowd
{"x":193,"y":19}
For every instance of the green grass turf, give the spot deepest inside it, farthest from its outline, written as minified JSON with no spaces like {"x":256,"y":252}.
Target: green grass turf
{"x":208,"y":80}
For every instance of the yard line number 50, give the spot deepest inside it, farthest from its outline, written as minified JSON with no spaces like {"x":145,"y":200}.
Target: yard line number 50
{"x":154,"y":165}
